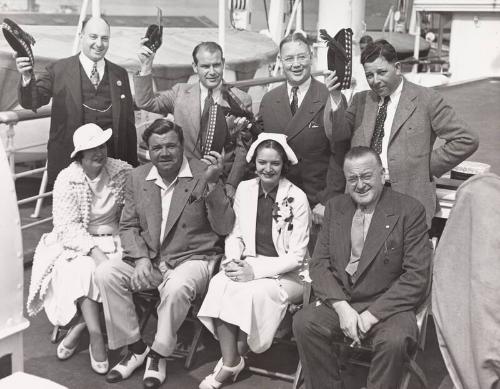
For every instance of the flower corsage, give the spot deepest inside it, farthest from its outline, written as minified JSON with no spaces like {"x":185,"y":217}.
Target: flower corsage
{"x":283,"y":213}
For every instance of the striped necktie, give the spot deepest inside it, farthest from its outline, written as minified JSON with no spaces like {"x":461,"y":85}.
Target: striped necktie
{"x":294,"y":105}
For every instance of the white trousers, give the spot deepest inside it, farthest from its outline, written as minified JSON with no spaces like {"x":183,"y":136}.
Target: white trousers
{"x":177,"y":291}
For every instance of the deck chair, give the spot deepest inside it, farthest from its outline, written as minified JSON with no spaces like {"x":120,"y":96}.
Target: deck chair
{"x":361,"y":355}
{"x":285,"y":327}
{"x":146,"y":303}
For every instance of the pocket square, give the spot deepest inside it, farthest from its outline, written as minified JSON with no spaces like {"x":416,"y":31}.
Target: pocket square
{"x":313,"y":124}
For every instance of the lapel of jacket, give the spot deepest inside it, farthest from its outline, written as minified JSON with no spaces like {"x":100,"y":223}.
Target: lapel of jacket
{"x":152,"y":196}
{"x":115,"y":88}
{"x":183,"y":190}
{"x":405,"y":108}
{"x":191,"y":109}
{"x":370,"y":115}
{"x":310,"y":106}
{"x":342,"y":234}
{"x":281,"y":106}
{"x":73,"y":80}
{"x":383,"y":222}
{"x":283,"y":190}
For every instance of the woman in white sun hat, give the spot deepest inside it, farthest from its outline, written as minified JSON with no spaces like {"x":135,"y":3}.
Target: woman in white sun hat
{"x":247,"y":300}
{"x":87,"y":201}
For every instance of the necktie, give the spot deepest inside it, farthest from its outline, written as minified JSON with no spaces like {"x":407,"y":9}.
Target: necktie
{"x":207,"y":124}
{"x":294,"y":105}
{"x":378,"y":132}
{"x":94,"y":76}
{"x":357,"y":241}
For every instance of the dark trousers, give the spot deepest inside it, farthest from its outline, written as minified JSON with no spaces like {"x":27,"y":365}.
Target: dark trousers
{"x":314,"y":328}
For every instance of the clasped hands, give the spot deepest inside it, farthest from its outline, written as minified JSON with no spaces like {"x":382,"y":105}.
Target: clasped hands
{"x":354,"y":325}
{"x":145,"y":276}
{"x":239,"y":270}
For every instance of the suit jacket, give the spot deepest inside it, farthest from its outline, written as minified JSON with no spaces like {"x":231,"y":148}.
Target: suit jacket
{"x":183,"y":101}
{"x":319,"y":171}
{"x":290,"y":238}
{"x":195,"y":224}
{"x":61,"y":82}
{"x":421,"y":116}
{"x":394,"y":268}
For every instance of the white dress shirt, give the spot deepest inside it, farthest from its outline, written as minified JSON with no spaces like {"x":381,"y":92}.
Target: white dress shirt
{"x":216,"y":95}
{"x":88,"y":64}
{"x":166,"y":192}
{"x":301,"y":92}
{"x":389,"y":119}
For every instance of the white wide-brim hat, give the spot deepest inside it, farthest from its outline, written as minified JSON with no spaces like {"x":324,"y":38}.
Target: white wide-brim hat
{"x":88,"y":136}
{"x":279,"y":138}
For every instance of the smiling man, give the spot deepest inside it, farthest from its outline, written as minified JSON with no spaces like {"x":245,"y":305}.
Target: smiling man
{"x":401,"y":121}
{"x":174,"y":216}
{"x":370,"y":271}
{"x":204,"y":129}
{"x":296,"y":109}
{"x":85,"y":88}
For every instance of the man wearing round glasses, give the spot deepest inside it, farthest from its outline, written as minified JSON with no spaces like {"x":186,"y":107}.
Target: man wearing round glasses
{"x":295,"y":109}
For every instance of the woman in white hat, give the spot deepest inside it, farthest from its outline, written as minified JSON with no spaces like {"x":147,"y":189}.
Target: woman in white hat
{"x":247,"y":299}
{"x":87,"y":201}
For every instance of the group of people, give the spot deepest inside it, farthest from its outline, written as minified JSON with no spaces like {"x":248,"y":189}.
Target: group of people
{"x":233,"y":209}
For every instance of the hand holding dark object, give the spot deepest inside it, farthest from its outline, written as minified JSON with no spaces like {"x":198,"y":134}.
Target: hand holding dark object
{"x":154,"y":34}
{"x":340,"y":55}
{"x":21,"y":42}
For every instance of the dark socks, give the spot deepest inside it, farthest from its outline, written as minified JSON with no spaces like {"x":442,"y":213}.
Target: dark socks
{"x":138,"y":347}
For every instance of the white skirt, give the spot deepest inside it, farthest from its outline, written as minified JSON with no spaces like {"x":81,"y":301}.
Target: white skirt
{"x":257,"y":307}
{"x":73,"y":279}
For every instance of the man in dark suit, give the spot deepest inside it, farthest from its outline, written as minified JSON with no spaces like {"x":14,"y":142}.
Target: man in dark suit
{"x":189,"y":103}
{"x":401,"y":121}
{"x":174,"y":215}
{"x":85,"y":88}
{"x":370,"y":271}
{"x":296,"y":109}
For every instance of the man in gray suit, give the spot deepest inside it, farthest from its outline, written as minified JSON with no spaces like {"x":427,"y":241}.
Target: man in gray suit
{"x":370,"y":271}
{"x":174,"y":215}
{"x":190,"y":104}
{"x":401,"y":121}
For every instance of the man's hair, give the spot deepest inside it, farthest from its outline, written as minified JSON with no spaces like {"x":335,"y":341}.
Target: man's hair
{"x":295,"y":37}
{"x":160,"y":127}
{"x":211,"y":47}
{"x":366,"y":39}
{"x":271,"y":144}
{"x":379,"y":49}
{"x":84,"y":23}
{"x":361,"y":151}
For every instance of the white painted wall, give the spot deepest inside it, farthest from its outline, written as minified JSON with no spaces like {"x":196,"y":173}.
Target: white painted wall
{"x":474,"y":45}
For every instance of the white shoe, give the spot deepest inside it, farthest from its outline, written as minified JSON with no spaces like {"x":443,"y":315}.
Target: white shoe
{"x":211,"y":383}
{"x":98,"y":367}
{"x":64,"y":352}
{"x":155,"y":373}
{"x":127,"y":366}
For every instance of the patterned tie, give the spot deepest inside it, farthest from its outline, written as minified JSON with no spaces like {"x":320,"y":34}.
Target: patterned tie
{"x":94,"y":76}
{"x":294,"y":105}
{"x":357,"y":241}
{"x":378,"y":132}
{"x":207,"y":124}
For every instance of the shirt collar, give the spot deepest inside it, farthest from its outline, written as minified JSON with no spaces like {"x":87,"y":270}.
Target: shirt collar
{"x":88,"y":64}
{"x":184,"y":172}
{"x":303,"y":88}
{"x":397,"y":92}
{"x":216,"y":92}
{"x":272,"y":194}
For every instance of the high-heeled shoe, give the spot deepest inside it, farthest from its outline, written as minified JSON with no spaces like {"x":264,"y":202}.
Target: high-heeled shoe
{"x":211,"y":383}
{"x":64,"y":352}
{"x":98,"y":367}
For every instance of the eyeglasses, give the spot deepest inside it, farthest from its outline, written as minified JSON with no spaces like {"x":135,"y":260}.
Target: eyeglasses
{"x":301,"y":58}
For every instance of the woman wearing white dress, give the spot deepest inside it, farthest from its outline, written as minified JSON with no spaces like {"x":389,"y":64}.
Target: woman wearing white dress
{"x":247,"y":299}
{"x":87,"y":201}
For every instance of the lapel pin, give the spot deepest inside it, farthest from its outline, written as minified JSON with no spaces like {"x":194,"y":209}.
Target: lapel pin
{"x":119,"y":83}
{"x":386,"y":226}
{"x":122,"y":97}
